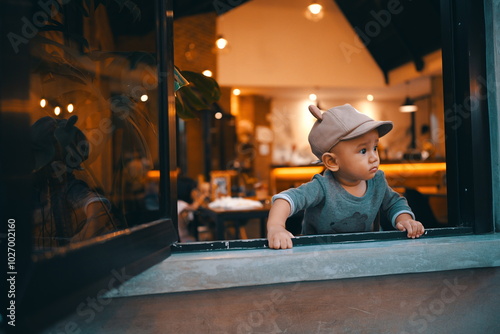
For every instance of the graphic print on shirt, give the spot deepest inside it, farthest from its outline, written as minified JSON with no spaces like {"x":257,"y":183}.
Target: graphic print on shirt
{"x":355,"y":223}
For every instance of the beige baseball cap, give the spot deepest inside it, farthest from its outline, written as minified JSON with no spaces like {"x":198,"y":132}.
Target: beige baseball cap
{"x":341,"y":123}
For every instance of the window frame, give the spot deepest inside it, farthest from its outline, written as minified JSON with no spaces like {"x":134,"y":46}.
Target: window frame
{"x":468,"y":147}
{"x":138,"y":248}
{"x":54,"y":284}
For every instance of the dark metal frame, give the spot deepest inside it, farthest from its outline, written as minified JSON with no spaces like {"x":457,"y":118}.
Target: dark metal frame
{"x":52,"y":285}
{"x":318,"y":239}
{"x":468,"y":150}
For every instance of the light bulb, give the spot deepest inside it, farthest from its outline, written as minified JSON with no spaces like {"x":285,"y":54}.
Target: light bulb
{"x":221,"y":43}
{"x":315,"y":8}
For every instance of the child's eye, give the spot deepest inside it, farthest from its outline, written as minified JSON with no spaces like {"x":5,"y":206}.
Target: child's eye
{"x":363,"y":151}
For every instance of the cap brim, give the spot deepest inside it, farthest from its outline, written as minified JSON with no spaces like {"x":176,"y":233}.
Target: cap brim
{"x":383,"y":128}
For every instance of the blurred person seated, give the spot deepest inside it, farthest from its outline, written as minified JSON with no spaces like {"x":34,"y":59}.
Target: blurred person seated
{"x":190,"y":196}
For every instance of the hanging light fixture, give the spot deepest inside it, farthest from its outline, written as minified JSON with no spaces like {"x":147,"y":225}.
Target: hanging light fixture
{"x":221,"y":42}
{"x":408,"y":105}
{"x":314,"y":11}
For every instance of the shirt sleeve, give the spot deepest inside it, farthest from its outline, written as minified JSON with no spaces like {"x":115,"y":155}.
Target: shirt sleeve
{"x":394,"y":204}
{"x":306,"y":195}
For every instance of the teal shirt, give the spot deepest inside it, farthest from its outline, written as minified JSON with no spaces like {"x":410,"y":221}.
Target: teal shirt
{"x":329,"y":208}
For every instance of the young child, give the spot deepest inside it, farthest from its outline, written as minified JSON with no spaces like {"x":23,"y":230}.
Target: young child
{"x":351,"y":191}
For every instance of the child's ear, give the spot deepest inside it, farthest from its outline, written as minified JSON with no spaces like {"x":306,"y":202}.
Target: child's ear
{"x":330,"y":161}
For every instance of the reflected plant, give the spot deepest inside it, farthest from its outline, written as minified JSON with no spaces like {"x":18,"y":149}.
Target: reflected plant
{"x":70,"y":55}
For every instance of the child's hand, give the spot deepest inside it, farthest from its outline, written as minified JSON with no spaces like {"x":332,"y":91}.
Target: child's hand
{"x":413,"y":228}
{"x":279,"y":238}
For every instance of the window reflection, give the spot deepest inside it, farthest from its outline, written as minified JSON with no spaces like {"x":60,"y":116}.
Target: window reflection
{"x":94,"y":122}
{"x":67,"y":209}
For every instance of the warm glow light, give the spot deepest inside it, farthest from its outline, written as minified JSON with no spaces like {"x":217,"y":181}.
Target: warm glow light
{"x":207,"y":73}
{"x":414,"y":168}
{"x":218,"y":115}
{"x":57,"y":111}
{"x":314,"y":12}
{"x":315,"y":8}
{"x":153,"y":174}
{"x":370,"y":97}
{"x":43,"y":103}
{"x":70,"y":108}
{"x":221,"y":43}
{"x":408,"y":108}
{"x":296,"y":172}
{"x":313,"y":97}
{"x":144,"y":98}
{"x":236,"y":91}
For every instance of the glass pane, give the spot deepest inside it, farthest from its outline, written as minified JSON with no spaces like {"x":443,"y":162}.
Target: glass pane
{"x":94,"y":112}
{"x":262,"y":135}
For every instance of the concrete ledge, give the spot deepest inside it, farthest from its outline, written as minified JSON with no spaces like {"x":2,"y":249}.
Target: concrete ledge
{"x":224,"y":269}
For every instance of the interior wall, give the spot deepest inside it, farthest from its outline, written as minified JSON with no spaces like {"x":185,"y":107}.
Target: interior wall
{"x":273,"y":44}
{"x":291,"y":123}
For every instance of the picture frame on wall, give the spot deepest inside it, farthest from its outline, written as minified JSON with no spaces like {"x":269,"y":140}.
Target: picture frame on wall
{"x":220,"y":183}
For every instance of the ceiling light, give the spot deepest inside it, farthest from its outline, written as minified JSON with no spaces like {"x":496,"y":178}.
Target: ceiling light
{"x":313,"y":97}
{"x":144,"y":97}
{"x":236,"y":91}
{"x":70,"y":108}
{"x":370,"y":97}
{"x":57,"y":111}
{"x":315,"y":8}
{"x":408,"y":106}
{"x":314,"y":11}
{"x":207,"y":73}
{"x":221,"y":42}
{"x":43,"y":103}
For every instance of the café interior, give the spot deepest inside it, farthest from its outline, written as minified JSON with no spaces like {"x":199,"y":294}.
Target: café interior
{"x":122,"y":116}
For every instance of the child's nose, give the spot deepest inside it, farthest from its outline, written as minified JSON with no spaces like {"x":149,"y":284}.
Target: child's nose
{"x":373,"y":156}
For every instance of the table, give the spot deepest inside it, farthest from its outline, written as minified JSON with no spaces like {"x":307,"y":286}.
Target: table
{"x":241,"y":216}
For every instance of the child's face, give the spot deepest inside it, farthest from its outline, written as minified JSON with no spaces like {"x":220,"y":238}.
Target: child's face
{"x":357,"y":158}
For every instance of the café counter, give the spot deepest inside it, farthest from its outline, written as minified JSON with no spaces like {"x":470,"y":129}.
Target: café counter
{"x":398,"y":175}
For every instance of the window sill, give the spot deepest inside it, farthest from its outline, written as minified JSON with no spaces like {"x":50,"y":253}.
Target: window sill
{"x":195,"y":271}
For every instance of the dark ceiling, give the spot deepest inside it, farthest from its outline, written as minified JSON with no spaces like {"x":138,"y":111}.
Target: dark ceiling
{"x":191,"y":7}
{"x":395,"y":32}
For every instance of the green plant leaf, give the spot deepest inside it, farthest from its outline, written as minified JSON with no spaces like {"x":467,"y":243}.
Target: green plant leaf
{"x":182,"y":112}
{"x":191,"y":99}
{"x":207,"y":88}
